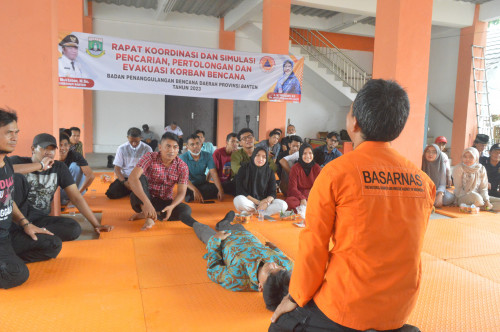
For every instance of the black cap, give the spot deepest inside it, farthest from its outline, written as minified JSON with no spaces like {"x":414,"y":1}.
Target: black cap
{"x":69,"y":40}
{"x":495,"y":147}
{"x":482,"y":138}
{"x":44,"y":140}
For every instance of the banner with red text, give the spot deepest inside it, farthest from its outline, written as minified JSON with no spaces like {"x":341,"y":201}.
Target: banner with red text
{"x":96,"y":62}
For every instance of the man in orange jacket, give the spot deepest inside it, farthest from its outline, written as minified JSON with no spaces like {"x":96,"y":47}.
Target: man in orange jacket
{"x":374,"y":205}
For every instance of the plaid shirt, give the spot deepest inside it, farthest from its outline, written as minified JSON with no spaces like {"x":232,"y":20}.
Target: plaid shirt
{"x":161,"y":179}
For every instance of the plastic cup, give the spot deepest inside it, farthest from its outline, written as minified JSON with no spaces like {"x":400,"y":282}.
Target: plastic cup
{"x":261,"y":215}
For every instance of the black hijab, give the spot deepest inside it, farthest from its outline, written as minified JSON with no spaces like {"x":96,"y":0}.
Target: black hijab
{"x":306,"y":166}
{"x":255,"y":179}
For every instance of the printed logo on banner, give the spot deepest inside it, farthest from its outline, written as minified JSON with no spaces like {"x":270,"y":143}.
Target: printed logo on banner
{"x":267,"y":64}
{"x":96,"y":48}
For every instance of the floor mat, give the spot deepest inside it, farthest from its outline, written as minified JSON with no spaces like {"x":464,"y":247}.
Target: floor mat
{"x":170,"y":260}
{"x":491,"y":224}
{"x":486,"y":266}
{"x":82,"y":267}
{"x":447,"y":238}
{"x":453,"y":299}
{"x":98,"y":311}
{"x":204,"y":307}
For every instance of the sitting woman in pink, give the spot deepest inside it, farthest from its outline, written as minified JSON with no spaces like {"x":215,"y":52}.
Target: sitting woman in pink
{"x":301,"y":178}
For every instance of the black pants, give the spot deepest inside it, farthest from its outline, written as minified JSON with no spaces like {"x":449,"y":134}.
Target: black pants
{"x":310,"y":318}
{"x":208,"y":190}
{"x":180,"y":212}
{"x":153,"y":144}
{"x":117,"y":190}
{"x":229,"y":187}
{"x":66,"y":229}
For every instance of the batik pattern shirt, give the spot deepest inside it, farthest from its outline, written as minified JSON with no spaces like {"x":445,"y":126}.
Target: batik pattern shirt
{"x":234,"y":262}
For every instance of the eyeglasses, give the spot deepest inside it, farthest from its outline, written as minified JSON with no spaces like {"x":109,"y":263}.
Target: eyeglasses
{"x":246,"y":138}
{"x":334,"y":140}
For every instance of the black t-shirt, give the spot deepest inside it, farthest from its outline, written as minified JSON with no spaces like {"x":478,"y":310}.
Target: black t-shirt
{"x":75,"y":157}
{"x":493,"y":176}
{"x":6,"y":197}
{"x":43,"y":185}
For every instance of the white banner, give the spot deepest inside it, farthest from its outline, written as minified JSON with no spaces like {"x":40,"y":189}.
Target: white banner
{"x":97,"y":62}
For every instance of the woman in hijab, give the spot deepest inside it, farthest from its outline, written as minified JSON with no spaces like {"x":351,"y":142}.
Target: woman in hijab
{"x":288,"y":83}
{"x":435,"y":165}
{"x":301,"y":178}
{"x":256,"y":186}
{"x":471,"y":181}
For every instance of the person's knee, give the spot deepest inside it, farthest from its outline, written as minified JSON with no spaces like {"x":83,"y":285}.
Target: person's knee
{"x":50,"y":246}
{"x":13,"y":272}
{"x":184,"y":210}
{"x":72,"y":230}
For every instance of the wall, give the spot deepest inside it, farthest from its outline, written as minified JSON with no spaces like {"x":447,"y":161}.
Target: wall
{"x":443,"y":64}
{"x":115,"y":112}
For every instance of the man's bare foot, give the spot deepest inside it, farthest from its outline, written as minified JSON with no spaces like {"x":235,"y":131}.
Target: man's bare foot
{"x":136,"y":216}
{"x":148,"y":224}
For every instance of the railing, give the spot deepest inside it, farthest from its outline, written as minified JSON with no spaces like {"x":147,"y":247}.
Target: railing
{"x":338,"y":63}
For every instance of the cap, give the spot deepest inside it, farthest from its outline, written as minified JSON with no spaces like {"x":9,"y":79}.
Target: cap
{"x":44,"y":140}
{"x":145,"y":127}
{"x":482,"y":138}
{"x":495,"y":147}
{"x":441,"y":139}
{"x":69,"y":40}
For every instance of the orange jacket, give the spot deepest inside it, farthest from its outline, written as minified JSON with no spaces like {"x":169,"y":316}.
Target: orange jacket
{"x":374,"y":205}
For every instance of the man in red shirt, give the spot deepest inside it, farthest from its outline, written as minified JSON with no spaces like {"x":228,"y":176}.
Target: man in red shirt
{"x":373,"y":205}
{"x":222,"y":160}
{"x":152,"y":182}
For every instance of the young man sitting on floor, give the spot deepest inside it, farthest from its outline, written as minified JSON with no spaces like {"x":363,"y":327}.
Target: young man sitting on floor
{"x":222,"y":160}
{"x":239,"y":262}
{"x":21,"y":242}
{"x":77,"y":165}
{"x":198,"y":163}
{"x":35,"y":190}
{"x":242,"y":156}
{"x":127,"y":156}
{"x":152,"y":181}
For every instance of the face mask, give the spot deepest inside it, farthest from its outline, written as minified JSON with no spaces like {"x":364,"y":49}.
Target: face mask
{"x":195,"y":154}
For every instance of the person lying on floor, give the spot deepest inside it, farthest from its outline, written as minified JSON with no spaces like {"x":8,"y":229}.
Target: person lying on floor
{"x":77,"y":165}
{"x":435,"y":165}
{"x":239,"y":262}
{"x":35,"y":189}
{"x":256,"y":186}
{"x":21,"y":242}
{"x":152,"y":182}
{"x":471,"y":180}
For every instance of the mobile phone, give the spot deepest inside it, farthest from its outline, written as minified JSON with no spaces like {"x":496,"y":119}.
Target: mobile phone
{"x":208,"y":202}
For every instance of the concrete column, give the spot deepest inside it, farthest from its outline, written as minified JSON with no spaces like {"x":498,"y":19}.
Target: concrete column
{"x":402,"y":47}
{"x":28,"y":70}
{"x":225,"y":106}
{"x":464,"y":115}
{"x":275,"y":39}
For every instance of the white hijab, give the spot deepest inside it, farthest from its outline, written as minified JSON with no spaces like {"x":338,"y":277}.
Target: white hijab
{"x":470,"y":177}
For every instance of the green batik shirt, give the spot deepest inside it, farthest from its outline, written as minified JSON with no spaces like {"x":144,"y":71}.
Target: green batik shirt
{"x":234,"y":262}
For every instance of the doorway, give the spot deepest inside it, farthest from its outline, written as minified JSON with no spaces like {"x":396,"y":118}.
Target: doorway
{"x":191,"y":114}
{"x":246,"y":115}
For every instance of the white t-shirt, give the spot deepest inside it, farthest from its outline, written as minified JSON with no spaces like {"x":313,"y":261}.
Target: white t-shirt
{"x":127,"y":157}
{"x":292,"y":158}
{"x":176,"y":131}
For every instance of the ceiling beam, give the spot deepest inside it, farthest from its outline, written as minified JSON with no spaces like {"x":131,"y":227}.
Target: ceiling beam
{"x":163,"y":9}
{"x":450,"y":13}
{"x":243,"y":13}
{"x":489,"y":11}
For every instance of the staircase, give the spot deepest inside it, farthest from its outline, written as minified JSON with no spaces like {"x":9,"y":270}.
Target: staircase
{"x":328,"y":62}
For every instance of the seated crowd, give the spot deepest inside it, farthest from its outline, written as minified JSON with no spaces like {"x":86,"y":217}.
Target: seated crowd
{"x":148,"y":168}
{"x":476,"y":179}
